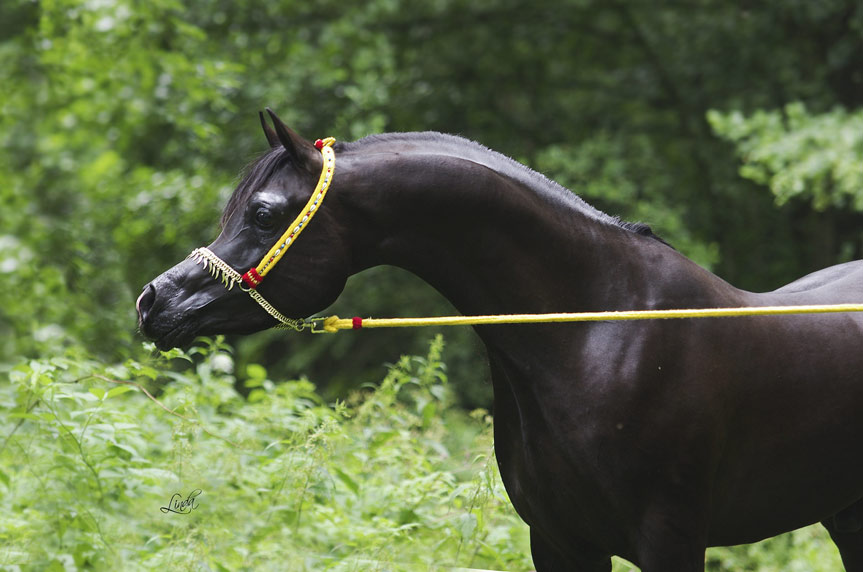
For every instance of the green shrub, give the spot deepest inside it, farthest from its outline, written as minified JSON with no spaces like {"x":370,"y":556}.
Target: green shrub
{"x":391,"y":479}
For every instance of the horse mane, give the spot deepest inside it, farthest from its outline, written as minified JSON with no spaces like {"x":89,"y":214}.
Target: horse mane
{"x":453,"y":145}
{"x":259,"y":172}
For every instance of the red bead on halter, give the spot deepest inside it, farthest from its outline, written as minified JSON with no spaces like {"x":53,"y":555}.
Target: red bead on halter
{"x":319,"y":144}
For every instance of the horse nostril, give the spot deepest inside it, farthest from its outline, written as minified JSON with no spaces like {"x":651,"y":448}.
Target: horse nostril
{"x":145,"y":302}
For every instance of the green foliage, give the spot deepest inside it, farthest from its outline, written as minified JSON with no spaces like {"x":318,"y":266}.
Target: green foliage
{"x":123,"y":126}
{"x":393,"y":478}
{"x":799,"y":154}
{"x":92,"y":195}
{"x":805,"y":550}
{"x":626,"y":175}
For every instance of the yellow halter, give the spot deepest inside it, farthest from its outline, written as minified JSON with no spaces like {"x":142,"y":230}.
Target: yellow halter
{"x":253,"y":277}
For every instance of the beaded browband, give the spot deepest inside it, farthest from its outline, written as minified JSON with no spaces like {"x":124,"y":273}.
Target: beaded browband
{"x":253,"y":277}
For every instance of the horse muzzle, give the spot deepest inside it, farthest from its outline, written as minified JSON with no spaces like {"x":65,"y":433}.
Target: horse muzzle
{"x":165,"y":308}
{"x":166,"y":328}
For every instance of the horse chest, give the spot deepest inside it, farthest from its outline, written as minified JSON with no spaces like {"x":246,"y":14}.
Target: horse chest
{"x":577,"y":459}
{"x":557,"y":474}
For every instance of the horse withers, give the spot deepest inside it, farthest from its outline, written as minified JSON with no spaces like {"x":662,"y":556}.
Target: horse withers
{"x":650,"y":440}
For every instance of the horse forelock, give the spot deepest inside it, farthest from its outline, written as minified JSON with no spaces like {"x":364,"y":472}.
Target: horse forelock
{"x":255,"y":175}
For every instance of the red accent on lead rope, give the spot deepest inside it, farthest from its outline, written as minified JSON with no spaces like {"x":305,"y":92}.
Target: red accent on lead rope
{"x":357,"y":322}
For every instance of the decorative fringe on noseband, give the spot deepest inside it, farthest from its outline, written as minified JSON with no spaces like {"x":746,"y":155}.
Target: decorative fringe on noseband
{"x":220,"y":270}
{"x":216,"y":267}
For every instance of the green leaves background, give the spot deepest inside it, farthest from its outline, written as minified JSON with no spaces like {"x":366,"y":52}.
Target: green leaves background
{"x":733,"y":129}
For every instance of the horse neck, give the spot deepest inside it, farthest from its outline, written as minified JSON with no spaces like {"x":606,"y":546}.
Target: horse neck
{"x":492,"y":245}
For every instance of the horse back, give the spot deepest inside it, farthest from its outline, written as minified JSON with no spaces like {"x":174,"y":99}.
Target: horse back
{"x":841,"y":281}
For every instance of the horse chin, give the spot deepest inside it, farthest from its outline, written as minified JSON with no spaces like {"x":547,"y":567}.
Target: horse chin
{"x":177,"y":335}
{"x":183,"y":333}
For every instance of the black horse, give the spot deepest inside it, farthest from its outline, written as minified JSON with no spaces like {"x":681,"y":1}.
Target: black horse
{"x":650,"y":440}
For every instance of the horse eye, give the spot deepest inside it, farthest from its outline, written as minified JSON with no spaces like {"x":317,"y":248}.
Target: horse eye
{"x":264,"y":218}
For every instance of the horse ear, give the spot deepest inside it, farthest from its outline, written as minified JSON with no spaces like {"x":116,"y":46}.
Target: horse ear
{"x":301,"y":151}
{"x":272,"y":138}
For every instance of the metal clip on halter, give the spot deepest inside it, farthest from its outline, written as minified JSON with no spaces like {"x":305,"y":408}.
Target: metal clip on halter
{"x":316,"y":325}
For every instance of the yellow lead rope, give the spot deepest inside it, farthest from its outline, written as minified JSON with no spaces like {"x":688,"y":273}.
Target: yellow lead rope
{"x":333,"y":324}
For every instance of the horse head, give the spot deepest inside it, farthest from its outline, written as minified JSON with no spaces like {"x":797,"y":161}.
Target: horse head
{"x":269,"y":203}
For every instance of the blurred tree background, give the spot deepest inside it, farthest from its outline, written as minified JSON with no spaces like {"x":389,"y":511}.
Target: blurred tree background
{"x":734,"y":128}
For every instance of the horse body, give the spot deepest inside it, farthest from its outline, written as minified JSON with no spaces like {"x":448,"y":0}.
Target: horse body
{"x":693,"y":433}
{"x":650,"y":440}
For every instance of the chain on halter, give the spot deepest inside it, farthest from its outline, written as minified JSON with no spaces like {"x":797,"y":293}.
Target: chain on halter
{"x":252,"y":278}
